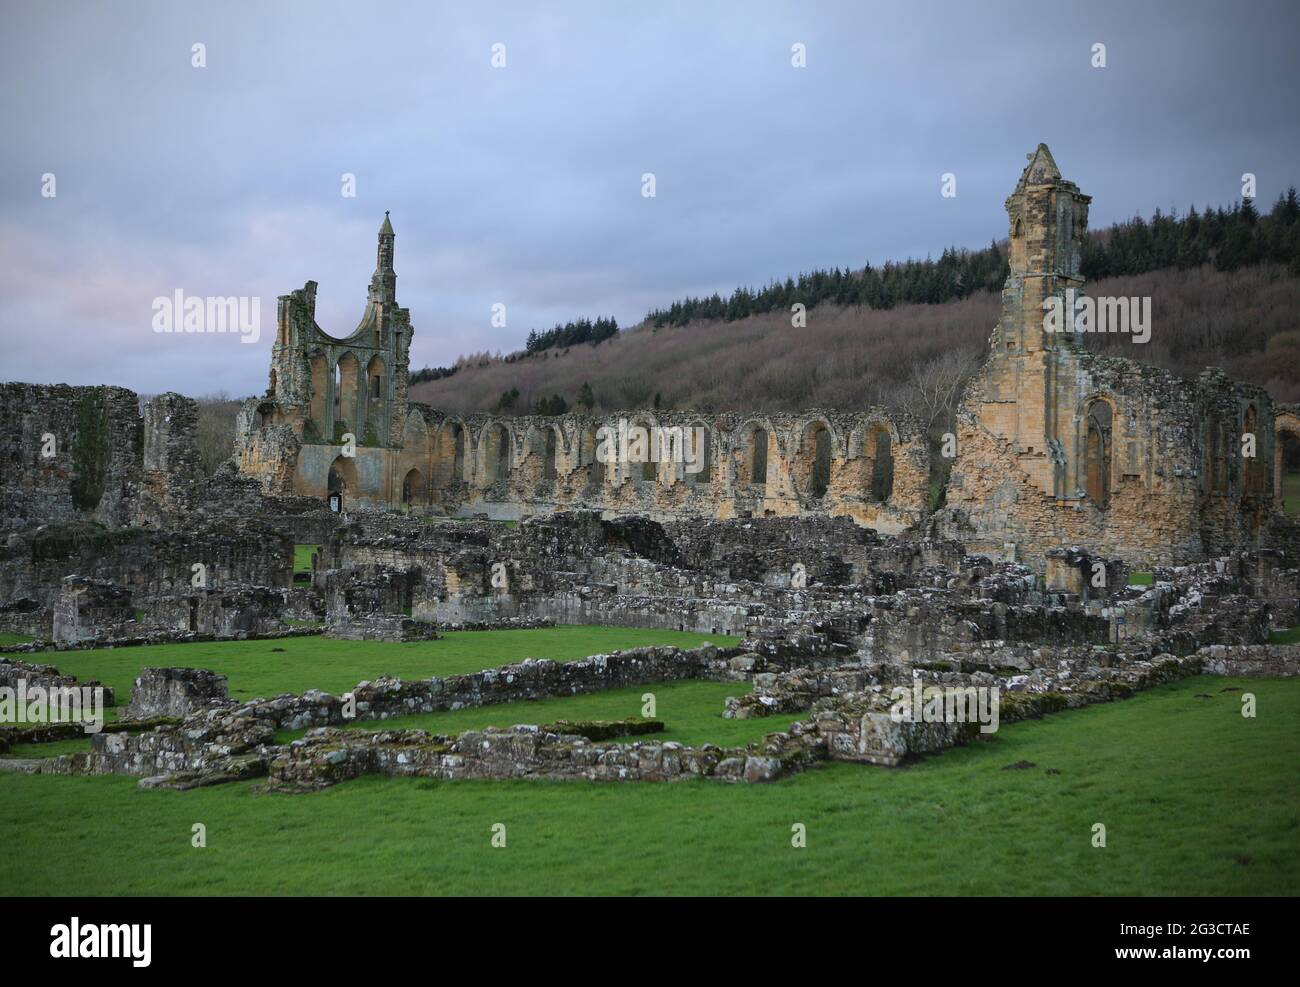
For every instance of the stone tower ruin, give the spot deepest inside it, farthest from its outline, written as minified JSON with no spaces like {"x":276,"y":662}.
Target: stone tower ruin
{"x":1058,"y":445}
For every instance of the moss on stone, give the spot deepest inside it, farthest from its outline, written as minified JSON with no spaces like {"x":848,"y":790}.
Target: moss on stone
{"x":90,"y":452}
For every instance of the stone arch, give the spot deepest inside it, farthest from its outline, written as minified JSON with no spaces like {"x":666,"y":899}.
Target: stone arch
{"x":545,"y":442}
{"x":1286,"y":460}
{"x":812,"y":461}
{"x":876,"y":460}
{"x":1098,"y":450}
{"x":348,"y":392}
{"x":494,"y":453}
{"x":699,"y":450}
{"x":415,"y":491}
{"x":752,"y":452}
{"x":415,"y":435}
{"x":377,"y":395}
{"x":265,"y":414}
{"x":342,"y":478}
{"x":642,"y":464}
{"x":589,"y":446}
{"x":449,"y":454}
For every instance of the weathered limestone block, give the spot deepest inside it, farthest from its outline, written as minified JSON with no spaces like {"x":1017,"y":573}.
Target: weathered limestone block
{"x":207,"y":738}
{"x":174,"y":692}
{"x":855,"y":732}
{"x":172,"y":479}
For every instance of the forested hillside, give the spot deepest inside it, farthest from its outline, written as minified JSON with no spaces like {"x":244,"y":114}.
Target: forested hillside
{"x":1224,"y":285}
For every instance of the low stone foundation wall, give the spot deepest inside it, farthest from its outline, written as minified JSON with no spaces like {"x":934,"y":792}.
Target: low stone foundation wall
{"x":1252,"y":660}
{"x":213,"y":741}
{"x":159,"y":637}
{"x":504,"y":624}
{"x":27,"y":617}
{"x":326,"y":757}
{"x":534,"y":678}
{"x":379,"y":627}
{"x":860,"y":726}
{"x":47,"y":677}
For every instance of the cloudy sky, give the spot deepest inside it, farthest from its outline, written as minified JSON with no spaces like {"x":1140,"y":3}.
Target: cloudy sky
{"x":522,"y":184}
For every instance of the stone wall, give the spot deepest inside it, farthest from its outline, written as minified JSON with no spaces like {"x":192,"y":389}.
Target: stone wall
{"x":229,"y":612}
{"x":1252,"y":660}
{"x":326,"y":757}
{"x":171,"y":481}
{"x":531,"y":679}
{"x":872,"y":466}
{"x":148,"y":563}
{"x":96,"y":451}
{"x":174,"y":692}
{"x":1058,"y":446}
{"x":91,"y":608}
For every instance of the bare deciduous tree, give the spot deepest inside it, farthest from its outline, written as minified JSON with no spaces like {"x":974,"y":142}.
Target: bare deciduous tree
{"x":935,"y":387}
{"x":216,"y":430}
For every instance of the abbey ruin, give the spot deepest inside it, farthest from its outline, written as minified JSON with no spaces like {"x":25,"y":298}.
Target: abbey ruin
{"x":1055,"y":446}
{"x":814,"y":538}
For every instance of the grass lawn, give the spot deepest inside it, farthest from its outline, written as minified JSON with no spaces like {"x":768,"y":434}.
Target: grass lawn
{"x":1196,"y":799}
{"x":302,"y":558}
{"x":1291,"y":492}
{"x":1289,"y":636}
{"x":295,"y":664}
{"x":7,"y":638}
{"x":1141,"y":578}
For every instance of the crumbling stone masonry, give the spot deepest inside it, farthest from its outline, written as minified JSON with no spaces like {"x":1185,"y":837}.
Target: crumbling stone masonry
{"x":872,"y":466}
{"x":91,"y":608}
{"x":174,"y":692}
{"x":1057,"y":446}
{"x":69,"y":452}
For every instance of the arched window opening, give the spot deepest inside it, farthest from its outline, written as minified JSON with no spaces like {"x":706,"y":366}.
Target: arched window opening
{"x":700,"y":454}
{"x":1097,"y":453}
{"x":878,"y":450}
{"x":496,"y":454}
{"x":813,"y":463}
{"x":758,"y":457}
{"x":550,"y":454}
{"x":413,"y":488}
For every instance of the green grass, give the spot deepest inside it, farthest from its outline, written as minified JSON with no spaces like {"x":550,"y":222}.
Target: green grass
{"x":1289,"y":636}
{"x":1197,"y":800}
{"x":302,"y":559}
{"x":7,"y":638}
{"x":1141,"y":578}
{"x":295,"y":664}
{"x":53,"y":749}
{"x":1291,"y":492}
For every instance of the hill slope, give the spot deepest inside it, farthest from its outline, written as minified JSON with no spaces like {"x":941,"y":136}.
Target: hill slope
{"x":849,"y":356}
